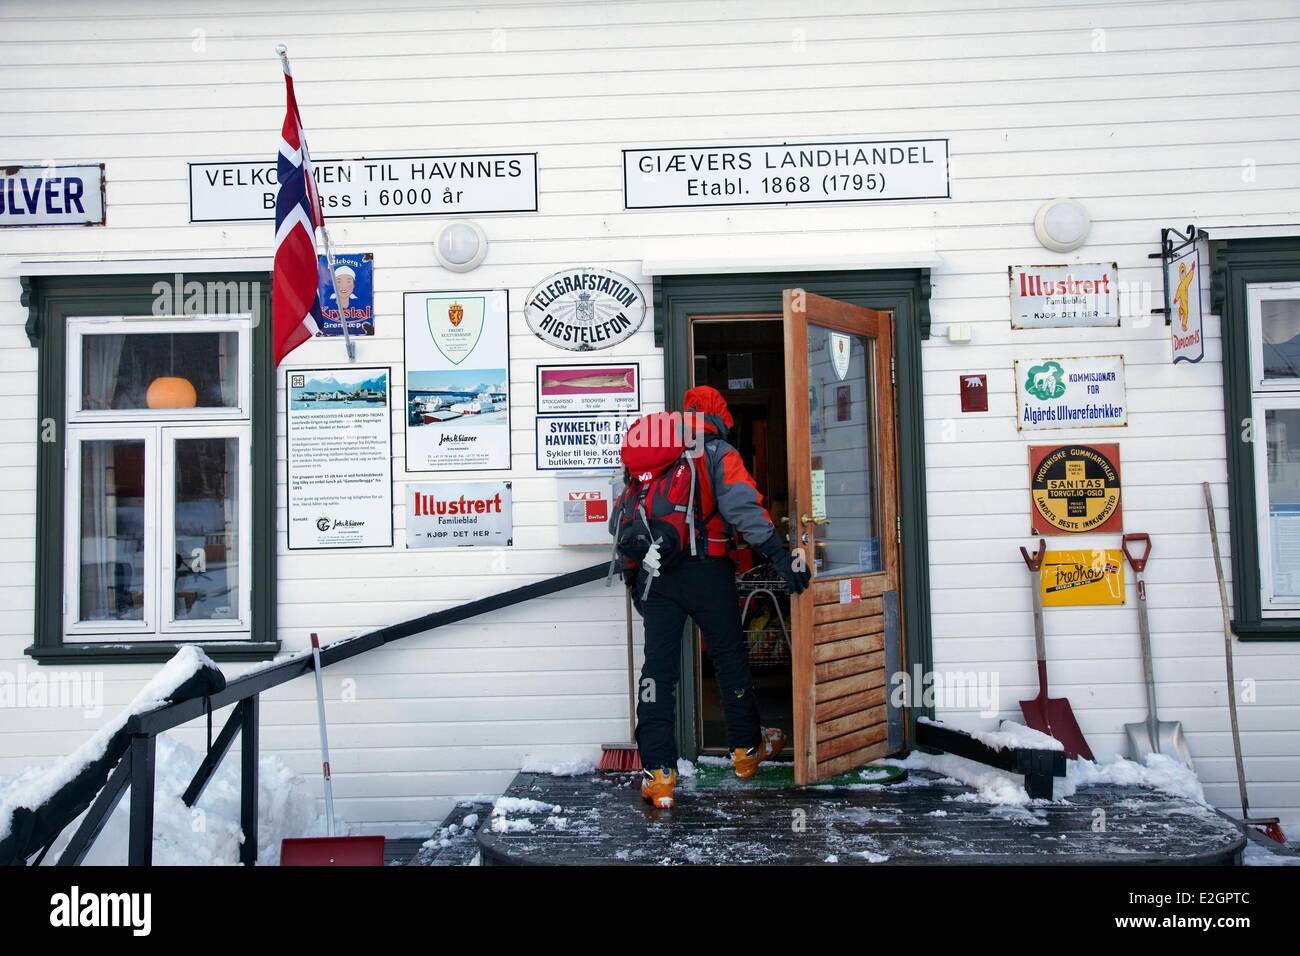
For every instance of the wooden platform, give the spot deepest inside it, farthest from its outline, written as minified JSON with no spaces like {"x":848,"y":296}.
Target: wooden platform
{"x":602,"y":820}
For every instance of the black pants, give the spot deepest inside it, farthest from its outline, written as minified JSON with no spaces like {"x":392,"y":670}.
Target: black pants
{"x":705,"y":590}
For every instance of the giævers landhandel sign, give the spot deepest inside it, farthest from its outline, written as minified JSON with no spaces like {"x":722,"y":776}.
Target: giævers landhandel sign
{"x":781,"y":173}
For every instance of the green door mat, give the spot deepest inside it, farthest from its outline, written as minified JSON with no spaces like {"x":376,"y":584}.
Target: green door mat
{"x":716,"y":773}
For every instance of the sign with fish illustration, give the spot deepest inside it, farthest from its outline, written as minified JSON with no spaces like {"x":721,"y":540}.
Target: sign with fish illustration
{"x":457,"y":355}
{"x":585,"y":309}
{"x":573,"y":389}
{"x":1080,"y":578}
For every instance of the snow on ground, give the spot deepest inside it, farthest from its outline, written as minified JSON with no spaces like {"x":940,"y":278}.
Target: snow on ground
{"x":208,"y":834}
{"x":562,"y":766}
{"x":33,"y":787}
{"x":502,"y":822}
{"x":1257,"y":855}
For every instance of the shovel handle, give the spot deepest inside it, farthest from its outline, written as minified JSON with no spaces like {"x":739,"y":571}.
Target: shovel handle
{"x":1138,"y":561}
{"x":1035,"y":560}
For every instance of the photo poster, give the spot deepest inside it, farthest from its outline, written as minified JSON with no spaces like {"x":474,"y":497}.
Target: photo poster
{"x":355,"y":274}
{"x":339,"y":458}
{"x":457,"y":356}
{"x":573,"y":389}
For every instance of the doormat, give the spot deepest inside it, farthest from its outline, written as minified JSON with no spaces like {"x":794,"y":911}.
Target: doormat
{"x":716,"y":773}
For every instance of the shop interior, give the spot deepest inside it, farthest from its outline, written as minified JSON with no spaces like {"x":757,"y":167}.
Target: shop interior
{"x":743,"y":357}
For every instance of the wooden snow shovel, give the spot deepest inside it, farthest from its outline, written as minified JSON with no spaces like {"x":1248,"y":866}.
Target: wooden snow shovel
{"x":1050,"y":716}
{"x":1153,"y":735}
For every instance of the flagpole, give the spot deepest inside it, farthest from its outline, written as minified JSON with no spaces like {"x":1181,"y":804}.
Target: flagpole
{"x":348,"y":344}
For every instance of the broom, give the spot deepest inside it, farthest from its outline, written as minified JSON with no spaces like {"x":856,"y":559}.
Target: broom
{"x":624,"y":757}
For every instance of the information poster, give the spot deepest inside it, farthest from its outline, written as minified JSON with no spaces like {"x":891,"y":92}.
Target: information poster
{"x":459,"y":515}
{"x":1070,"y":393}
{"x":354,"y":283}
{"x":1075,"y":489}
{"x":457,"y":347}
{"x":1081,"y":578}
{"x":339,"y":450}
{"x":581,"y":442}
{"x":567,"y":389}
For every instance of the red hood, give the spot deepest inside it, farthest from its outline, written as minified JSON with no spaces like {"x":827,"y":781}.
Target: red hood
{"x":708,"y":402}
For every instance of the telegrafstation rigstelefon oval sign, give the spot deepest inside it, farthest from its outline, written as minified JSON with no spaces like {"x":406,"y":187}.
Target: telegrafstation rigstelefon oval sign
{"x":585,"y":309}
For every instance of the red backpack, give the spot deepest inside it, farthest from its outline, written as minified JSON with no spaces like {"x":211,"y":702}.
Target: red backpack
{"x":660,"y":504}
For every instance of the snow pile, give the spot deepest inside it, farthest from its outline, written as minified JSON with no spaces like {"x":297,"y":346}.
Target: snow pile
{"x":207,"y":834}
{"x":1011,"y":735}
{"x":565,"y":766}
{"x":32,"y":788}
{"x":991,"y":785}
{"x":504,"y":806}
{"x":1257,"y":855}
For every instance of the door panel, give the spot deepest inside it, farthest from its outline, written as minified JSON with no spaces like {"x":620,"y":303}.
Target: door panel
{"x":843,"y":507}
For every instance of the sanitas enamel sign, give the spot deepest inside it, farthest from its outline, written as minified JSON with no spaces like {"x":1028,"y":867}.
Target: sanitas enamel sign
{"x":585,"y":309}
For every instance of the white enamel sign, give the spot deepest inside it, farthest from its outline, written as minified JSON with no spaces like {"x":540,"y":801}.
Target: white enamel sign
{"x":781,"y":174}
{"x":1064,"y":296}
{"x":585,"y":309}
{"x":459,"y":515}
{"x":1070,"y":393}
{"x":52,"y":195}
{"x":584,"y":504}
{"x":386,"y":186}
{"x":581,"y":442}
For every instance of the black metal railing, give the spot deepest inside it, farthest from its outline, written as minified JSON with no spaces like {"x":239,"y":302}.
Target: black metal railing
{"x":135,"y":771}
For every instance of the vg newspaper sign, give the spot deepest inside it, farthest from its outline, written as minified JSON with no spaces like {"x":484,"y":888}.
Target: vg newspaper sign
{"x":780,"y":173}
{"x":387,"y":186}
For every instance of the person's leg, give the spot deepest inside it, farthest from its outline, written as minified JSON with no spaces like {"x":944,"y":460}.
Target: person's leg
{"x":713,"y":603}
{"x":656,"y":694}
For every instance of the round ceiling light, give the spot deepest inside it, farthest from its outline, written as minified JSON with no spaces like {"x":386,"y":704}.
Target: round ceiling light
{"x":1062,"y":225}
{"x":460,"y":246}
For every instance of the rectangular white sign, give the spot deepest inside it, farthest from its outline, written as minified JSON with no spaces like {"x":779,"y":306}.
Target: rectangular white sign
{"x":1070,"y":392}
{"x":581,"y":442}
{"x":457,"y":353}
{"x":52,"y":195}
{"x":1064,"y":296}
{"x":585,"y":505}
{"x":780,"y":173}
{"x":339,"y":450}
{"x":386,"y":186}
{"x":459,"y":514}
{"x":566,"y":389}
{"x":1183,"y":287}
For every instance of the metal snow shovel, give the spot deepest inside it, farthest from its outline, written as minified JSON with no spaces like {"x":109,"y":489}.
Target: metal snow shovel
{"x":1152,"y":736}
{"x":329,"y":850}
{"x":1050,"y":716}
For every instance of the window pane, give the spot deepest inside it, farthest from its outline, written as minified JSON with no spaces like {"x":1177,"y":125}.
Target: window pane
{"x":1282,"y":428}
{"x":1280,"y":322}
{"x":112,"y":530}
{"x":117,"y":370}
{"x":206,"y":536}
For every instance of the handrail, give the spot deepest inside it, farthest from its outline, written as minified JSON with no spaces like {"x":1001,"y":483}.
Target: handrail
{"x":136,"y":769}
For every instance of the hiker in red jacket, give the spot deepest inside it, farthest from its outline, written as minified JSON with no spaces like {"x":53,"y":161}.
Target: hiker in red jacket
{"x":702,"y":586}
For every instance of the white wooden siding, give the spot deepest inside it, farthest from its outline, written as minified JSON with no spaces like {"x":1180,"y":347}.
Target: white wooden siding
{"x":1144,"y":111}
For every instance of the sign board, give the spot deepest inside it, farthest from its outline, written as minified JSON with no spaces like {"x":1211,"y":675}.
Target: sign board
{"x":1183,"y":287}
{"x":354,"y":274}
{"x":1078,"y":578}
{"x":1064,"y":296}
{"x":459,"y":515}
{"x":782,"y":174}
{"x":581,"y":442}
{"x":566,"y":389}
{"x":339,"y":458}
{"x":457,"y":355}
{"x":584,"y":309}
{"x":1074,"y":489}
{"x":1070,"y":393}
{"x":52,"y":195}
{"x":839,"y":344}
{"x":975,"y":392}
{"x":584,"y":505}
{"x":449,"y":185}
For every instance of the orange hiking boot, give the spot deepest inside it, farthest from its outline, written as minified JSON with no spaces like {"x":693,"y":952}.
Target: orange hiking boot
{"x":657,"y":787}
{"x":747,"y":761}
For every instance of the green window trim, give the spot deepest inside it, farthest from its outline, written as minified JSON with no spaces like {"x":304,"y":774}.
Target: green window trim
{"x":50,"y":301}
{"x":1236,"y":263}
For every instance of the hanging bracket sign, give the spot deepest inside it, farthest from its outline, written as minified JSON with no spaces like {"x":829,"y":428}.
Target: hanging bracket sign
{"x":1181,"y":267}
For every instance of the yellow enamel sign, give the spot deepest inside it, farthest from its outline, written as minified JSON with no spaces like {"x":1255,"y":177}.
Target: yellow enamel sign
{"x":1074,"y":578}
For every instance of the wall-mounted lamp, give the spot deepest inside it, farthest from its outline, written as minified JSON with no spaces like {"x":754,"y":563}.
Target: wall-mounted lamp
{"x":1062,"y":225}
{"x":460,"y":246}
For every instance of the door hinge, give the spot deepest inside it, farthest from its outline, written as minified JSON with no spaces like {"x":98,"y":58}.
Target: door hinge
{"x":893,"y":378}
{"x":898,"y":528}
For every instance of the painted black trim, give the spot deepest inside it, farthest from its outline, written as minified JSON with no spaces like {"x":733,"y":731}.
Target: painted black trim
{"x":905,"y":292}
{"x":51,"y":300}
{"x":1235,"y":263}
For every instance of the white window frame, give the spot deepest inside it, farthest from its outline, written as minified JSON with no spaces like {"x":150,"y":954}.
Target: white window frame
{"x":159,"y":428}
{"x":80,"y":327}
{"x":1266,"y":396}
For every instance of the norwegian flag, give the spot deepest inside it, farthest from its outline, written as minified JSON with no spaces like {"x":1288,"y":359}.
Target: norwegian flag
{"x":295,"y":296}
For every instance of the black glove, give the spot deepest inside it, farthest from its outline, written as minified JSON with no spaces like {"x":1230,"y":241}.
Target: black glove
{"x":783,"y":562}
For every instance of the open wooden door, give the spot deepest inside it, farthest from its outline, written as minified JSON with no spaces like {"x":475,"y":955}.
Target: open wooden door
{"x":846,"y":629}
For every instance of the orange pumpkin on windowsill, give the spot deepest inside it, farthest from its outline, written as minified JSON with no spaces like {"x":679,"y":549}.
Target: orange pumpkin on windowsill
{"x":169,"y":391}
